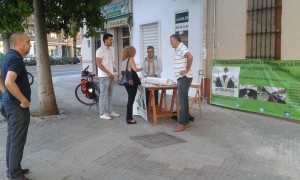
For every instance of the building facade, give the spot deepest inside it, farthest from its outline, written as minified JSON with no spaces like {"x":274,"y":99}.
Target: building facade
{"x":155,"y":22}
{"x":212,"y":29}
{"x":118,"y":15}
{"x":140,"y":24}
{"x":266,"y":29}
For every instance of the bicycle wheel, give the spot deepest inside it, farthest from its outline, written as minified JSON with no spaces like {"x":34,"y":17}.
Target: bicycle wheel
{"x":30,"y":78}
{"x":82,"y":98}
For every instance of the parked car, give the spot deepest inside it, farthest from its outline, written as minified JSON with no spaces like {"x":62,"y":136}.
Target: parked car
{"x":29,"y":59}
{"x":54,"y":57}
{"x":71,"y":60}
{"x":79,"y":59}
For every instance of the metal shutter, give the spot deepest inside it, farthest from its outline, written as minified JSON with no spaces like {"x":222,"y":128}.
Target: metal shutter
{"x":150,"y":37}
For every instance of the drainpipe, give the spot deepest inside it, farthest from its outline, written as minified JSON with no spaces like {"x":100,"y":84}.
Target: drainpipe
{"x":214,"y":29}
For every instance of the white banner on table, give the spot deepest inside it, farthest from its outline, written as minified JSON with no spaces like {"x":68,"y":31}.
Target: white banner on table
{"x":139,"y":105}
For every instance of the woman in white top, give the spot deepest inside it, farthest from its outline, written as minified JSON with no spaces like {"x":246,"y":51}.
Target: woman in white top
{"x":128,"y":55}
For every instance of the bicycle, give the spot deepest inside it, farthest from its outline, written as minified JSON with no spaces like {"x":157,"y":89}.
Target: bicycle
{"x":87,"y":84}
{"x":30,"y":78}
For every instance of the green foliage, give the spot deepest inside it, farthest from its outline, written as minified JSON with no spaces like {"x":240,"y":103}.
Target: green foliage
{"x":53,"y":61}
{"x":70,"y":15}
{"x":66,"y":15}
{"x":13,"y":14}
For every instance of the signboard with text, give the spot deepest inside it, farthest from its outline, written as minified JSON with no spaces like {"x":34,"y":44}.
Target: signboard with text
{"x":116,"y":9}
{"x":262,"y":86}
{"x":182,"y":26}
{"x":182,"y":21}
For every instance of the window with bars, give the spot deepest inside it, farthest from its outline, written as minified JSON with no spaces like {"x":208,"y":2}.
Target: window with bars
{"x":264,"y":29}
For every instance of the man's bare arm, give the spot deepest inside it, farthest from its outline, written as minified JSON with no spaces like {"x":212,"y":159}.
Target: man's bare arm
{"x":2,"y":87}
{"x":189,"y":62}
{"x":12,"y":87}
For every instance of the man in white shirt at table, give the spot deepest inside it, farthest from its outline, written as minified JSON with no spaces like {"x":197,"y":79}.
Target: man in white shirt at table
{"x":107,"y":71}
{"x":182,"y":67}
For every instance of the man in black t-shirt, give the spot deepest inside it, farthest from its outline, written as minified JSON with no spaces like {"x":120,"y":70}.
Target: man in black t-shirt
{"x":16,"y":101}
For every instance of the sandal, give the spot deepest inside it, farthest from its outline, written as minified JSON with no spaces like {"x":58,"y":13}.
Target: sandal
{"x":131,"y":121}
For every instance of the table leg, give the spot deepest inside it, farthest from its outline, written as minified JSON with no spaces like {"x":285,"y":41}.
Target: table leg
{"x":173,"y":100}
{"x":177,"y":106}
{"x":165,"y":100}
{"x":154,"y":107}
{"x":149,"y":106}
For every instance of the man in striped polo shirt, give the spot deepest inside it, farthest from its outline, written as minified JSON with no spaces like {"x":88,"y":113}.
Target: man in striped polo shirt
{"x":182,"y":67}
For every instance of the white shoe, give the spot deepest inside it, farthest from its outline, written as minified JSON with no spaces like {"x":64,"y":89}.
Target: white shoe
{"x":114,"y":114}
{"x":105,"y":116}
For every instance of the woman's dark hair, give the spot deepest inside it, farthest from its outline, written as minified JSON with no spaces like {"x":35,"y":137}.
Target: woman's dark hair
{"x":176,"y":36}
{"x":106,"y":36}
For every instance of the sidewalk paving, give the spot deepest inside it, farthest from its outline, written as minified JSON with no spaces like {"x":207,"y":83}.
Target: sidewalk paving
{"x":223,"y":144}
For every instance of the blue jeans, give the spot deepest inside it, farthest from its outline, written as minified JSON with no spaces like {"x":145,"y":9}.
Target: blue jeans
{"x":106,"y":85}
{"x":17,"y":127}
{"x":183,"y":86}
{"x":155,"y":95}
{"x":2,"y":111}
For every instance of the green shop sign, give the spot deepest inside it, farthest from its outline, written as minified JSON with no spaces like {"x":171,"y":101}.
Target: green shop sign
{"x":261,"y":86}
{"x":182,"y":17}
{"x":182,"y":21}
{"x":116,"y":9}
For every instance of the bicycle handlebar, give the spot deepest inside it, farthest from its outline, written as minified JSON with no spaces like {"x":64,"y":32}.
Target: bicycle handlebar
{"x":86,"y":69}
{"x":86,"y":73}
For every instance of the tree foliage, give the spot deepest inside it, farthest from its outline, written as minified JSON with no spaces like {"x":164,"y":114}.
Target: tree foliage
{"x":67,"y":14}
{"x":60,"y":15}
{"x":13,"y":15}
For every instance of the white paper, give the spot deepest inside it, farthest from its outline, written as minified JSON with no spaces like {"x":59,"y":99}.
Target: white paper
{"x":158,"y":81}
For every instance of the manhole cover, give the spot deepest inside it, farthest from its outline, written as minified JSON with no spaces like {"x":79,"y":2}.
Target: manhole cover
{"x":157,"y":140}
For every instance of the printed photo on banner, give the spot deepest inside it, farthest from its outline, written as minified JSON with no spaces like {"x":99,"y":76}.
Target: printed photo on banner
{"x":139,"y":105}
{"x":272,"y":94}
{"x":248,"y":91}
{"x":225,"y":81}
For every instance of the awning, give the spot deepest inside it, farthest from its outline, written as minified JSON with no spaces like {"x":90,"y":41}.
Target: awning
{"x":117,"y":22}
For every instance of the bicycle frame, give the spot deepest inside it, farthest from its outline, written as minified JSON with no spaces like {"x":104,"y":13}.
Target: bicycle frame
{"x":90,"y":78}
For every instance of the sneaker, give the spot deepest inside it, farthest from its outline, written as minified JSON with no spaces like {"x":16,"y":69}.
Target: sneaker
{"x":114,"y":114}
{"x":105,"y":116}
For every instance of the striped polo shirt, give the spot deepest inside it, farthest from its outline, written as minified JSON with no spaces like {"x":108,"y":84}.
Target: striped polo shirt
{"x":180,"y":61}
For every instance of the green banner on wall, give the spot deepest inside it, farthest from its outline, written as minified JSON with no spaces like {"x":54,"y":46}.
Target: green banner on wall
{"x":261,"y":86}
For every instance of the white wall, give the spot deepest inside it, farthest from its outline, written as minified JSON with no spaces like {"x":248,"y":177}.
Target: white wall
{"x":163,"y":12}
{"x":230,"y":29}
{"x":88,"y":49}
{"x":290,"y":37}
{"x":231,"y":24}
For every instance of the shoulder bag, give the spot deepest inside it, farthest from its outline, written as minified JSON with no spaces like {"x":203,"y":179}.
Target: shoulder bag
{"x":126,"y":79}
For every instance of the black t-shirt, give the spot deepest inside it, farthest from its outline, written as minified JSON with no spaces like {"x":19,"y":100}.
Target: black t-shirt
{"x":13,"y":61}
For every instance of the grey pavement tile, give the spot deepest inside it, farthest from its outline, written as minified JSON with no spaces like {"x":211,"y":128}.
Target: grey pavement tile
{"x":223,"y":144}
{"x":157,"y":140}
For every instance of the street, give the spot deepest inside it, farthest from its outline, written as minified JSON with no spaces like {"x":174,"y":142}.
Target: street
{"x":59,"y":70}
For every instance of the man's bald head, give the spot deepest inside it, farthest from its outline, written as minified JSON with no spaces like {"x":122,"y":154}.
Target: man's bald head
{"x":20,"y":42}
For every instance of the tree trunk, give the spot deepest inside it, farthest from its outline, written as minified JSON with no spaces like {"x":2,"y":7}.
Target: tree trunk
{"x":6,"y":44}
{"x":74,"y":47}
{"x":46,"y":95}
